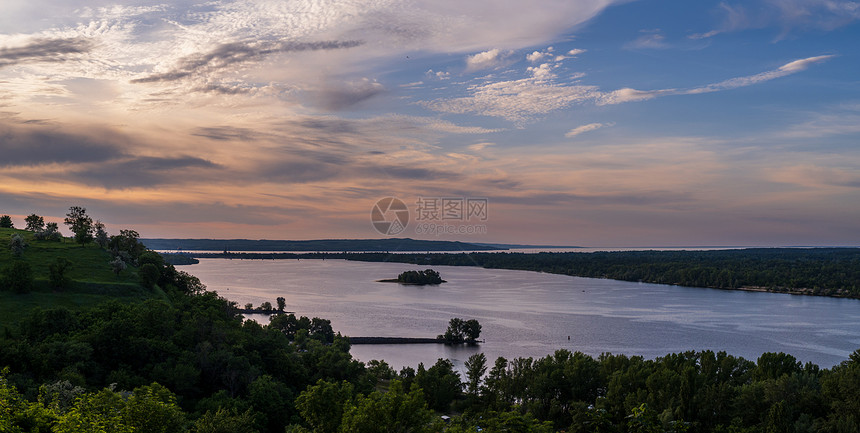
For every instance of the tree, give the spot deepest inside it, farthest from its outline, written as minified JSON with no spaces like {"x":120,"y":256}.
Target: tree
{"x":6,"y":222}
{"x":50,"y":233}
{"x":18,"y":277}
{"x":101,"y":236}
{"x":460,"y":331}
{"x":282,"y":303}
{"x":149,"y":274}
{"x":117,"y":265}
{"x":80,"y":224}
{"x":127,"y":243}
{"x":322,"y":405}
{"x":476,"y":366}
{"x":454,"y":333}
{"x":17,"y":244}
{"x":441,"y":384}
{"x":472,"y":330}
{"x":57,"y":272}
{"x":392,"y":411}
{"x":35,"y":223}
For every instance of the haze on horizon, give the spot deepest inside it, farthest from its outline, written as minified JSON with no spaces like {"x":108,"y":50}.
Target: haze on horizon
{"x":594,"y":122}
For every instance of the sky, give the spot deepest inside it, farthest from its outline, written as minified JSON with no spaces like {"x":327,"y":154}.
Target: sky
{"x":588,"y":122}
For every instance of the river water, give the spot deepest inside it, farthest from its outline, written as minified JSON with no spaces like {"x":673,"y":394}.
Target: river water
{"x":533,"y":314}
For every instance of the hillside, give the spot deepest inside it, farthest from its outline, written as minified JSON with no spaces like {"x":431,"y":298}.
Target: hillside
{"x":92,"y":280}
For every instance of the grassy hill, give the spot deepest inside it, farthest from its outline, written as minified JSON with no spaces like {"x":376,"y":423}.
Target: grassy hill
{"x":93,"y":281}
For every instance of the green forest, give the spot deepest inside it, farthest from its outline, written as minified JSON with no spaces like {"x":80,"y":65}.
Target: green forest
{"x":171,"y":356}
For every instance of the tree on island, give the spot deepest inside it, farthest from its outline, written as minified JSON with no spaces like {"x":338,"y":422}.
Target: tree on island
{"x":461,"y":331}
{"x":427,"y":276}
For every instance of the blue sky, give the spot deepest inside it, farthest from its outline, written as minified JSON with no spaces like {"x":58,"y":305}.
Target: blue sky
{"x":593,"y":122}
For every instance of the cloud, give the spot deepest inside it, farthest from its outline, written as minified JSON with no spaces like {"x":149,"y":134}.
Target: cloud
{"x":575,"y":52}
{"x":784,"y":70}
{"x":27,"y":146}
{"x":519,"y":101}
{"x":439,"y":75}
{"x":585,"y":128}
{"x":788,"y":15}
{"x":542,"y":72}
{"x":477,"y":147}
{"x":44,"y":50}
{"x":516,"y":100}
{"x":485,"y":60}
{"x":652,"y":39}
{"x":346,"y":95}
{"x":141,"y":171}
{"x":225,"y":55}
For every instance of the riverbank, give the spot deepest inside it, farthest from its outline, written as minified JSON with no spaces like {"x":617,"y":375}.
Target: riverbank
{"x":832,"y":272}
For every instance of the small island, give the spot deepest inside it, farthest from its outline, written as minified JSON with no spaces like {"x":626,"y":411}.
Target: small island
{"x":417,"y":278}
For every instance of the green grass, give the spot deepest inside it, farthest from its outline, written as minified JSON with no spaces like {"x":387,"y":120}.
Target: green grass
{"x":93,"y":281}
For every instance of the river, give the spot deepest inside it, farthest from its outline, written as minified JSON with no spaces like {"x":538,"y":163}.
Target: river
{"x":533,"y":314}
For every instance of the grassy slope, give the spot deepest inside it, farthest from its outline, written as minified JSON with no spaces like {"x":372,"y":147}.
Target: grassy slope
{"x":93,"y":281}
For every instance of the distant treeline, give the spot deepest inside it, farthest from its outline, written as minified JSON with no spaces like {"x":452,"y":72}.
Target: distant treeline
{"x":811,"y":271}
{"x":392,"y":244}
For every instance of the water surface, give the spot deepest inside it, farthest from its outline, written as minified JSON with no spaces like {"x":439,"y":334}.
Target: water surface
{"x":533,"y":314}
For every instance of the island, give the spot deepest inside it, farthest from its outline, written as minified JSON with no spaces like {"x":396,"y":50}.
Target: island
{"x":417,"y":278}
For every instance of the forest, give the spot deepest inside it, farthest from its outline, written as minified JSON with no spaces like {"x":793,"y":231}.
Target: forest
{"x":176,"y":357}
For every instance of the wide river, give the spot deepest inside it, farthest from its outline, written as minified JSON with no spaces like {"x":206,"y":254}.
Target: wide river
{"x":533,"y":314}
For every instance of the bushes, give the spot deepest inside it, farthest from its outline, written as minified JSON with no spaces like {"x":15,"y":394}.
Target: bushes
{"x":17,"y":278}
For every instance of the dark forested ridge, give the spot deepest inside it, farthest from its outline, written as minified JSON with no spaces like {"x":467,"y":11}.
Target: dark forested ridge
{"x":388,"y":244}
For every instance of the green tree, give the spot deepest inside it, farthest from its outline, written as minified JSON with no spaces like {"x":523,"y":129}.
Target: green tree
{"x":225,"y":421}
{"x":57,"y":272}
{"x":153,"y":409}
{"x":441,"y":384}
{"x":322,"y":405}
{"x":391,"y":411}
{"x":282,"y":303}
{"x":149,"y":274}
{"x":6,"y":222}
{"x":50,"y":233}
{"x":80,"y":224}
{"x":17,"y":244}
{"x":476,"y":366}
{"x":35,"y":223}
{"x":101,"y":236}
{"x":18,"y":277}
{"x":127,"y":245}
{"x":471,"y":330}
{"x":117,"y":265}
{"x":454,"y":334}
{"x":97,"y":412}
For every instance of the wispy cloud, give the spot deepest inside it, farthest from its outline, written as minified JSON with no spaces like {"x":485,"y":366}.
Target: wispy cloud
{"x":44,"y":50}
{"x":585,"y":128}
{"x":520,"y":101}
{"x":229,"y":54}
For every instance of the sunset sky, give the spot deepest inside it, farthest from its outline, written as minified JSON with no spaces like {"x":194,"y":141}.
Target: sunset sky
{"x":587,"y":122}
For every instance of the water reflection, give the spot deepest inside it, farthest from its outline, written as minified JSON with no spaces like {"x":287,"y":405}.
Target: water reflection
{"x":532,"y":314}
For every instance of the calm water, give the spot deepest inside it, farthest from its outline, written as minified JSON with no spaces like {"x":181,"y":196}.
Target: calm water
{"x":532,"y":314}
